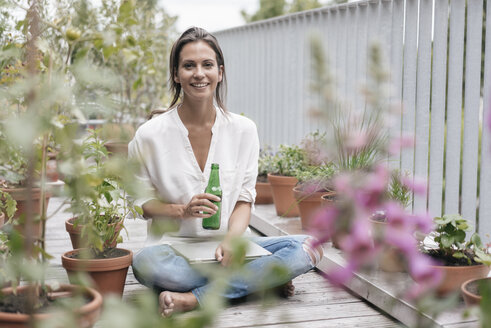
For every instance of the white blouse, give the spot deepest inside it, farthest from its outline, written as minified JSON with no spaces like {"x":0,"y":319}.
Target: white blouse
{"x":171,"y":173}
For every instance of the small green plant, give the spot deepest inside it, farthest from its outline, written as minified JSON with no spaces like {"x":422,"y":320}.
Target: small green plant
{"x":316,"y":178}
{"x":288,"y":160}
{"x":266,"y":163}
{"x":453,"y":249}
{"x":100,"y":203}
{"x":8,"y":205}
{"x":398,"y":191}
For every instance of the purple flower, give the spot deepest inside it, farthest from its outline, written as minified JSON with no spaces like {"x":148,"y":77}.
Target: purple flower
{"x":423,"y":222}
{"x":323,"y":224}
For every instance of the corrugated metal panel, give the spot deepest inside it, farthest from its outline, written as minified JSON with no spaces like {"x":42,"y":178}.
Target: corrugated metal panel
{"x":454,"y":106}
{"x":439,"y":78}
{"x":471,"y":109}
{"x":485,"y":182}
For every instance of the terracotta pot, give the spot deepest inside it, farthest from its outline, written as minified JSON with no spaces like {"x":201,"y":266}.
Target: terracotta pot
{"x":20,"y":196}
{"x":328,"y":199}
{"x":282,"y":189}
{"x":308,"y":204}
{"x":389,"y":259}
{"x":455,"y":276}
{"x":117,"y":148}
{"x":263,"y":193}
{"x":470,"y":290}
{"x":87,"y":314}
{"x":108,"y":274}
{"x":76,"y":232}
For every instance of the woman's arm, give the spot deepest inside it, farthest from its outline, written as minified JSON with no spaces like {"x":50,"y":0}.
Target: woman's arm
{"x":238,"y":223}
{"x":199,"y":206}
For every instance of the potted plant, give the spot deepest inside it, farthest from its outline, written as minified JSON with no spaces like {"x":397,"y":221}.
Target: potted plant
{"x":313,"y":183}
{"x":287,"y":161}
{"x":263,"y":187}
{"x":118,"y":136}
{"x":100,"y":205}
{"x":13,"y":181}
{"x":474,"y":289}
{"x":460,"y":259}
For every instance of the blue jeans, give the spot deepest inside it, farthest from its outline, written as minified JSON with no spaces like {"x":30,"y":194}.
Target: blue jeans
{"x":158,"y":267}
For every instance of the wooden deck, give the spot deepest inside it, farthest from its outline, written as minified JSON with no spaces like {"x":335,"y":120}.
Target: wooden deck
{"x":316,"y":303}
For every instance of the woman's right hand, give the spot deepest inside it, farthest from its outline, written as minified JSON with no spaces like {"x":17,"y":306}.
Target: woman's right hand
{"x":201,"y":206}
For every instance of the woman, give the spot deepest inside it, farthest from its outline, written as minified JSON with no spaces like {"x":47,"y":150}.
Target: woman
{"x":176,"y":150}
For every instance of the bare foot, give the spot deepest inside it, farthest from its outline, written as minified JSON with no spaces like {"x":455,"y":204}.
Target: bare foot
{"x":170,"y":302}
{"x":288,"y":289}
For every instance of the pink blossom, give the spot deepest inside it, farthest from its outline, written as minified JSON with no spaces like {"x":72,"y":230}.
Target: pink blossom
{"x":358,"y":244}
{"x":399,"y":143}
{"x":342,"y":184}
{"x":401,"y":239}
{"x":422,"y":269}
{"x":356,"y":141}
{"x":423,"y":222}
{"x":418,"y":185}
{"x":397,"y":217}
{"x":323,"y":224}
{"x":340,"y":276}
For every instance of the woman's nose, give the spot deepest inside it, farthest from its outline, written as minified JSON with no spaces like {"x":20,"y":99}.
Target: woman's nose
{"x":198,"y":73}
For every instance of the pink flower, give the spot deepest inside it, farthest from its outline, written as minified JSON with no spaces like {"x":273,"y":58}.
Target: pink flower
{"x":358,"y":244}
{"x":342,"y":184}
{"x":423,"y":222}
{"x":418,"y":185}
{"x":401,"y":239}
{"x":340,"y":276}
{"x":397,"y":217}
{"x":323,"y":224}
{"x":422,"y":270}
{"x":399,"y":143}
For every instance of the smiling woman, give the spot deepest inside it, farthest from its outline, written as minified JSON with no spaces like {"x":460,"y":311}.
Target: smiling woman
{"x":177,"y":149}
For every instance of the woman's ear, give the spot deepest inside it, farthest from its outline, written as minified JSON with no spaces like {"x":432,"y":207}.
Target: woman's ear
{"x":176,"y":78}
{"x":220,"y":73}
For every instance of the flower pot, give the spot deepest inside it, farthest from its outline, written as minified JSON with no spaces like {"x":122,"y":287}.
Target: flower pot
{"x":389,"y":259}
{"x":263,"y":193}
{"x":76,"y":232}
{"x":455,"y":276}
{"x":282,"y":189}
{"x":87,"y":314}
{"x":470,"y":290}
{"x":308,"y":204}
{"x":115,"y":147}
{"x":328,"y":199}
{"x":20,"y":195}
{"x":108,"y":274}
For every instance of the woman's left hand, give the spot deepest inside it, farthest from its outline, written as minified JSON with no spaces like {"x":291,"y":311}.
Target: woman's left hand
{"x":223,"y":253}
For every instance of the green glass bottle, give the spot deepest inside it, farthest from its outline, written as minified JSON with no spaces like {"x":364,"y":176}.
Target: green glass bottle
{"x":213,"y":222}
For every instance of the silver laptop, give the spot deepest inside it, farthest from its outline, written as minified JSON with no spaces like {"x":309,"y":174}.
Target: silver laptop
{"x":204,"y":251}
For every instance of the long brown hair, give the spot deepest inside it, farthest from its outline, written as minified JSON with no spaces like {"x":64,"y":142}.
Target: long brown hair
{"x":194,"y":34}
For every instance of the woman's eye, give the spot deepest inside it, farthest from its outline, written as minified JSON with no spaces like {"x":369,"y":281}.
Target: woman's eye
{"x":208,"y":64}
{"x":188,"y":65}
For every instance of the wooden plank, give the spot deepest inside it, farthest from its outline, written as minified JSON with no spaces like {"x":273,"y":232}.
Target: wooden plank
{"x":423,"y":89}
{"x":471,"y":109}
{"x":485,"y":182}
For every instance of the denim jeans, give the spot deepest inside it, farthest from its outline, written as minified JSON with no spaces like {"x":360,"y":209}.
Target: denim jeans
{"x":158,"y":267}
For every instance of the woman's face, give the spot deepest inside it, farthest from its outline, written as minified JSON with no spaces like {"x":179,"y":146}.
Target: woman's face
{"x":198,"y":71}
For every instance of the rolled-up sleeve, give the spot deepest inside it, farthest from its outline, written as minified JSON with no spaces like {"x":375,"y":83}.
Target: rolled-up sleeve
{"x":146,"y":192}
{"x":248,"y":189}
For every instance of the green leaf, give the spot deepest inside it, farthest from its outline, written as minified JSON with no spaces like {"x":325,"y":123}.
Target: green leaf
{"x":459,"y":236}
{"x":476,"y":240}
{"x":447,"y":241}
{"x":139,"y":210}
{"x":458,"y":255}
{"x":137,"y":83}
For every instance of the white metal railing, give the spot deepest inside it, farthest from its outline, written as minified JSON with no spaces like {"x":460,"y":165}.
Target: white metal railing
{"x":268,"y":71}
